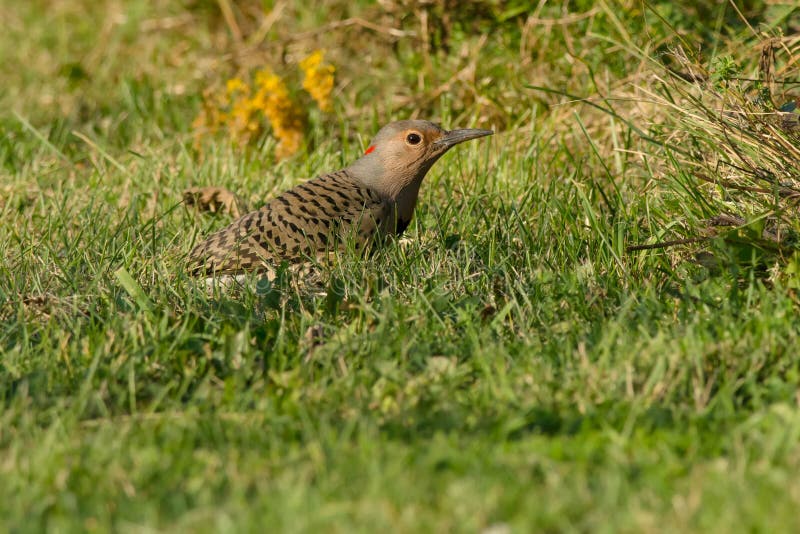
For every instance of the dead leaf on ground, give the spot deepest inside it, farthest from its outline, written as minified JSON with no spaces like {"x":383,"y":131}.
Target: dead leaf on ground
{"x":214,"y":199}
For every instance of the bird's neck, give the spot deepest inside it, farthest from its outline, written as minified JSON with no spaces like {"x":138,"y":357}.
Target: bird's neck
{"x":393,"y":181}
{"x":406,"y":200}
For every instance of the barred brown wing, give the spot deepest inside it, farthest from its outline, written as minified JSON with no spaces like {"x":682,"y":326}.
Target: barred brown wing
{"x":306,"y":220}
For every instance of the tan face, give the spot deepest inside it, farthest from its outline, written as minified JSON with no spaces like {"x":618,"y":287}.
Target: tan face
{"x":411,"y":148}
{"x":403,"y":151}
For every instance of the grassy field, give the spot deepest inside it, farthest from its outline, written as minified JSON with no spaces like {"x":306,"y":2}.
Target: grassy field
{"x":514,"y":367}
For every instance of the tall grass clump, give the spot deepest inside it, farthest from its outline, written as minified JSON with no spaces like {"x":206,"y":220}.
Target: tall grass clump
{"x":728,"y":132}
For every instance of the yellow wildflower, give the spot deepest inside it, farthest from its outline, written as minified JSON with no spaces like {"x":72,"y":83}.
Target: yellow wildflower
{"x":318,"y":80}
{"x":236,"y":85}
{"x":285,"y":118}
{"x":241,"y":106}
{"x":243,"y":121}
{"x":211,"y":116}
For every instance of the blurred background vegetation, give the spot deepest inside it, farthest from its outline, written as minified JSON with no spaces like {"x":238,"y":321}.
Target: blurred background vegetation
{"x":80,"y":62}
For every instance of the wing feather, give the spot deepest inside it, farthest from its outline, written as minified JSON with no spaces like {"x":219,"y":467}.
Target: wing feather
{"x":309,"y":219}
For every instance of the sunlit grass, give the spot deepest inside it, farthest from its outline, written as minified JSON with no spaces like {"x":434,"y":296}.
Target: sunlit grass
{"x":509,"y":365}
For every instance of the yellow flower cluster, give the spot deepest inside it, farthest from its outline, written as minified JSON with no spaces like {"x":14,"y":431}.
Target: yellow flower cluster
{"x":231,"y":110}
{"x":242,"y":120}
{"x":318,"y":79}
{"x":241,"y":109}
{"x":285,"y":117}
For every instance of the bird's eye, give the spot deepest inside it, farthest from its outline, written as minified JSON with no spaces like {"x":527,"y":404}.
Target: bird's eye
{"x":413,"y":139}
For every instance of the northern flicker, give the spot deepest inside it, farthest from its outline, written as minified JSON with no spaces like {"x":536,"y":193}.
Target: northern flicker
{"x":372,"y":198}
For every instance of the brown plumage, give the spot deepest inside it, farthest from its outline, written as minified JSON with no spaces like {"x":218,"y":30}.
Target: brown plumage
{"x":372,"y":198}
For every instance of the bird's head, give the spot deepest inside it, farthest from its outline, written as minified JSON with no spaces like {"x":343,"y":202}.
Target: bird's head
{"x":402,"y":152}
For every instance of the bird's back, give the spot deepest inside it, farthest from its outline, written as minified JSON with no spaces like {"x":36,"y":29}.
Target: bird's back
{"x":306,"y":220}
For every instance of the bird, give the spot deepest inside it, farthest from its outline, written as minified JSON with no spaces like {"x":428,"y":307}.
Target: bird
{"x":363,"y":203}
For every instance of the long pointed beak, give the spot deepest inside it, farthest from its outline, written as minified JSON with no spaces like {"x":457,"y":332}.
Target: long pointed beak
{"x":454,"y":137}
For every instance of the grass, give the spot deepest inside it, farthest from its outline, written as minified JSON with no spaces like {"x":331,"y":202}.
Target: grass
{"x":511,"y":368}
